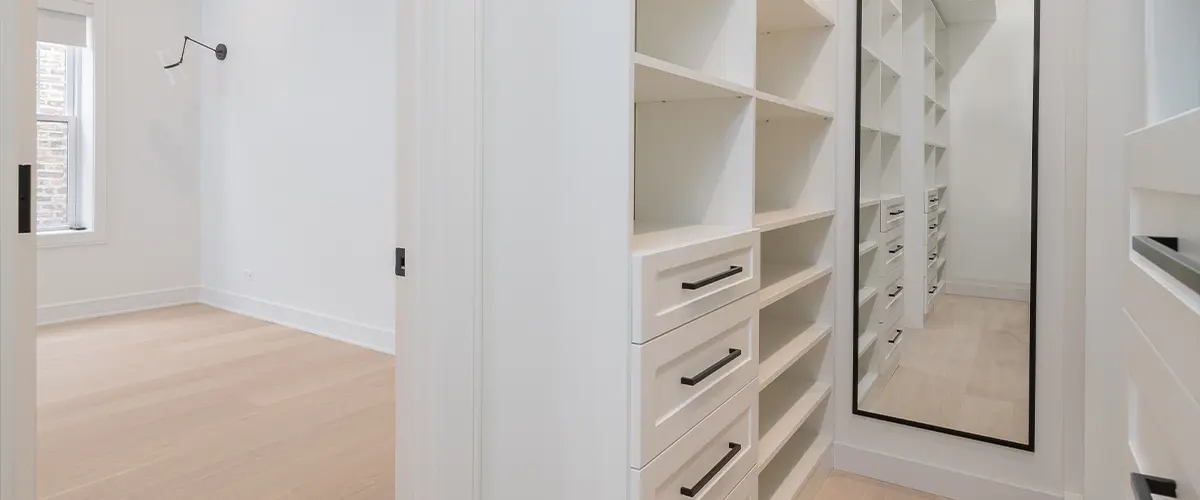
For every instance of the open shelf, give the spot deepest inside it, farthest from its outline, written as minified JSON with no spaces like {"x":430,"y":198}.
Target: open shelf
{"x":649,"y":239}
{"x":792,"y":468}
{"x":784,"y":15}
{"x":867,"y":247}
{"x":657,"y":80}
{"x":780,"y":219}
{"x":865,"y":385}
{"x":779,"y":281}
{"x":773,"y":107}
{"x":865,"y":294}
{"x":784,"y":343}
{"x":705,"y":36}
{"x":794,"y":417}
{"x":866,"y":341}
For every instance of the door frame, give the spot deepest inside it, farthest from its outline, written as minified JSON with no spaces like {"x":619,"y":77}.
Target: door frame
{"x":439,"y":203}
{"x":18,"y":256}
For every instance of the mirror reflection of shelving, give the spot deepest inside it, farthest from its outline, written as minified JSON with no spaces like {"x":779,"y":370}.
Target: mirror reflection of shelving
{"x":734,"y":135}
{"x":881,"y":199}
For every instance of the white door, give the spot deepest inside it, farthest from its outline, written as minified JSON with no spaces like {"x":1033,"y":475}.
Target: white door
{"x":18,"y":252}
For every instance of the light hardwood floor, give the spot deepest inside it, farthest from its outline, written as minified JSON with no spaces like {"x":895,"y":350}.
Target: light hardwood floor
{"x":194,"y":403}
{"x":844,"y":486}
{"x":967,"y":370}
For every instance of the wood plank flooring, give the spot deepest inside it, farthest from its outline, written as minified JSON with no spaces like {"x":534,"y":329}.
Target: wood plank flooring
{"x":967,"y":370}
{"x":194,"y":403}
{"x":844,"y":486}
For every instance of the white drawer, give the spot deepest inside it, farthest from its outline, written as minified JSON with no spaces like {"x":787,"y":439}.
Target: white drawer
{"x":891,"y":215}
{"x":678,"y":285}
{"x":712,"y":458}
{"x":893,"y":251}
{"x":713,"y":354}
{"x":747,"y":490}
{"x":893,"y":296}
{"x":932,"y":224}
{"x":932,"y":199}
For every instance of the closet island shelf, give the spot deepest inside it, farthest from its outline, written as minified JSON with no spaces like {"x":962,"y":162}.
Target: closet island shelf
{"x":734,"y":158}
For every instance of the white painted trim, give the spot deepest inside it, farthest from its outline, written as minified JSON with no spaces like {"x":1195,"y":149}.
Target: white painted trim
{"x":1072,"y":496}
{"x":439,"y":173}
{"x":18,"y":257}
{"x":376,"y":339}
{"x":936,"y":480}
{"x":989,"y":289}
{"x":118,"y":304}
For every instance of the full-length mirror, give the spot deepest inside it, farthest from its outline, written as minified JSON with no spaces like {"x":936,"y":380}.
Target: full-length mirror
{"x":946,"y":177}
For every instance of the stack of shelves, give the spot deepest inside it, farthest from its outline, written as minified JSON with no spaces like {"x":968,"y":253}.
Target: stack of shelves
{"x":794,"y":206}
{"x":882,"y":207}
{"x":936,"y":153}
{"x":734,"y":166}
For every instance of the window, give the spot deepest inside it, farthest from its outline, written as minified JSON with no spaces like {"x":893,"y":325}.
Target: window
{"x":58,"y":143}
{"x":64,"y":188}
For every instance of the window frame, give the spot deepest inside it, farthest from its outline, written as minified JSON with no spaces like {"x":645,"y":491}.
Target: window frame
{"x":90,"y":129}
{"x":75,"y":215}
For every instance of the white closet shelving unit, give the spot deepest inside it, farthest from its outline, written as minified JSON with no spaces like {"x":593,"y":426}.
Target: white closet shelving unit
{"x":882,"y":203}
{"x":937,"y":140}
{"x":733,"y":167}
{"x":903,"y":162}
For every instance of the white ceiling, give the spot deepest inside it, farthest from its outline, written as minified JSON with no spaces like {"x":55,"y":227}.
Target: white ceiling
{"x":962,"y":11}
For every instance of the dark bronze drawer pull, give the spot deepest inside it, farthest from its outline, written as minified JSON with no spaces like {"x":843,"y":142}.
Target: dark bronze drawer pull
{"x":733,"y":354}
{"x":733,"y":270}
{"x":1144,"y":486}
{"x":734,"y":449}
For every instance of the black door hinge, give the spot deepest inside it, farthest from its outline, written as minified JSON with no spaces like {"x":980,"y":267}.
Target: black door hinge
{"x":399,"y":262}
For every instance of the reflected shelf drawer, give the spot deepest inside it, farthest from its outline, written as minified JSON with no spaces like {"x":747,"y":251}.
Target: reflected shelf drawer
{"x":710,"y":460}
{"x":683,"y":376}
{"x":891,"y":213}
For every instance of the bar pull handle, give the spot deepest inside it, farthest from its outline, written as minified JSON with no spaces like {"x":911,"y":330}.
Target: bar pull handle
{"x":897,"y":249}
{"x":734,"y":449}
{"x":1144,"y":486}
{"x":897,"y":212}
{"x":897,"y":337}
{"x":897,"y":292}
{"x":24,"y":199}
{"x":733,"y":354}
{"x":733,"y":270}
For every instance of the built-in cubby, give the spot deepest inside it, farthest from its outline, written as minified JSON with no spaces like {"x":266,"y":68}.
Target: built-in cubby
{"x":712,"y":37}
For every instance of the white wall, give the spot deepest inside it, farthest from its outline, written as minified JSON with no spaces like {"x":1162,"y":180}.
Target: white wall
{"x":1173,"y":70}
{"x":946,"y":465}
{"x":152,"y":222}
{"x":298,"y":165}
{"x":990,"y":169}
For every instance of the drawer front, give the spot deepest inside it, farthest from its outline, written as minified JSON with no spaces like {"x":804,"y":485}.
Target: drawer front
{"x":676,"y":286}
{"x":893,"y":297}
{"x":683,"y":376}
{"x":932,"y":200}
{"x":933,"y":223}
{"x":891,"y":215}
{"x":710,"y":460}
{"x":893,"y":251}
{"x":747,"y":490}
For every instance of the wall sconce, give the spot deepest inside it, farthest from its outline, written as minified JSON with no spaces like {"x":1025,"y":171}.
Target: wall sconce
{"x":221,"y":51}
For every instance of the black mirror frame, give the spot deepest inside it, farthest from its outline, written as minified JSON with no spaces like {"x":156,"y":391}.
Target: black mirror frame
{"x":1029,"y":445}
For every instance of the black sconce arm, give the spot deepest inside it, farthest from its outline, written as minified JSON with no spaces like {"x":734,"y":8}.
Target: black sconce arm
{"x":221,"y":51}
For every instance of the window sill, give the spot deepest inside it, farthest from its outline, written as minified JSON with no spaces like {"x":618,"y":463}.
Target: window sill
{"x":56,"y":239}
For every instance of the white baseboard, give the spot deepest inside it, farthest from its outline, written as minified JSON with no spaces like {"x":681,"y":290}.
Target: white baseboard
{"x":989,"y":289}
{"x":376,"y":339}
{"x":107,"y":306}
{"x":936,"y":480}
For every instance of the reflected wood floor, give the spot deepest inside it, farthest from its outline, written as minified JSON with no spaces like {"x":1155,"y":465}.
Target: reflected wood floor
{"x":845,"y":486}
{"x":194,"y":403}
{"x":967,"y":370}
